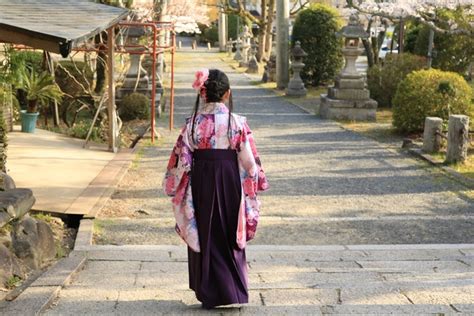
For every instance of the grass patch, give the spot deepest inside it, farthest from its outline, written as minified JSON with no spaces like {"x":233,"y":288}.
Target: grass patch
{"x":13,"y":282}
{"x":137,"y":158}
{"x":43,"y":217}
{"x":381,"y":130}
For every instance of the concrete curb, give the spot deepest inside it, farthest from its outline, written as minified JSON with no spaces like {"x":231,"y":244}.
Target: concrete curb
{"x":42,"y":292}
{"x":110,"y":177}
{"x":459,"y":177}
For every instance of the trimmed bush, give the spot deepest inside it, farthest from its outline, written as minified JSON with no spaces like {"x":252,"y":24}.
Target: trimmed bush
{"x":316,"y":27}
{"x":135,"y":106}
{"x":81,"y":74}
{"x":383,"y":80}
{"x":429,"y":93}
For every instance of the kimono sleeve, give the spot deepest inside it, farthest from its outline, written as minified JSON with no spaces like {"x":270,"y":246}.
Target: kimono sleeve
{"x":179,"y":165}
{"x":254,"y":179}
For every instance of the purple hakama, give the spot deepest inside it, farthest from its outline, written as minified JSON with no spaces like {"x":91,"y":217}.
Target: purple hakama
{"x":218,"y":274}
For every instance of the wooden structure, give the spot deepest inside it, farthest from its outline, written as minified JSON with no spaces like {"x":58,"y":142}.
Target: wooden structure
{"x":59,"y":27}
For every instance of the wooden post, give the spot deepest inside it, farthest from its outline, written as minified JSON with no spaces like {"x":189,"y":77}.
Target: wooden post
{"x":111,"y":91}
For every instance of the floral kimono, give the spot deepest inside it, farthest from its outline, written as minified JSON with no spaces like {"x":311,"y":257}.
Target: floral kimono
{"x":211,"y":132}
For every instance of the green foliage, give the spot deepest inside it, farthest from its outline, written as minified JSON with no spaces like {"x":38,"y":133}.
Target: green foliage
{"x":13,"y":282}
{"x":316,"y":27}
{"x":40,"y":88}
{"x":383,"y":79}
{"x":209,"y":33}
{"x":135,"y":106}
{"x":430,"y":93}
{"x":73,"y":77}
{"x":451,"y":52}
{"x":233,"y":26}
{"x":411,"y":36}
{"x":81,"y":128}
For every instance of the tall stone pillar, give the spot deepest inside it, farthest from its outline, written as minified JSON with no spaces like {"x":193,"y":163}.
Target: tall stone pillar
{"x":222,"y":30}
{"x":282,"y":48}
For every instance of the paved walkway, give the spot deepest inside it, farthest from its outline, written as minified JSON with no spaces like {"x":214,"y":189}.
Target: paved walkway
{"x":329,"y":187}
{"x":295,"y":280}
{"x":57,"y":168}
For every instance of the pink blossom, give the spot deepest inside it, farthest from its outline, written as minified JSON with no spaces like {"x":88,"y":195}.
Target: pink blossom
{"x":201,"y":78}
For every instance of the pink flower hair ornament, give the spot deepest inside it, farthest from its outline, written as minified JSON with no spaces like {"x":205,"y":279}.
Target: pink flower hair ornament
{"x":201,"y":77}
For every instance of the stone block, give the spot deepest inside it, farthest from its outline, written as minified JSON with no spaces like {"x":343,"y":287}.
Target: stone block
{"x":342,"y":109}
{"x":33,"y":242}
{"x":6,"y":182}
{"x":431,"y":140}
{"x":16,"y":202}
{"x":348,"y":94}
{"x":350,"y":83}
{"x":458,"y":138}
{"x":9,"y":266}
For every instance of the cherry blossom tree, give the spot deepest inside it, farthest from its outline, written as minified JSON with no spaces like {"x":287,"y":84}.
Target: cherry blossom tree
{"x":452,"y":17}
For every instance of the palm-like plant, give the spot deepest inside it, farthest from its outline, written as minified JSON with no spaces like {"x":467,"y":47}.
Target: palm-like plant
{"x":39,"y":88}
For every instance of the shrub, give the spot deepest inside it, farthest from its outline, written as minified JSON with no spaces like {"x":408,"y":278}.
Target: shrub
{"x":80,"y":130}
{"x":383,"y":80}
{"x":135,"y":106}
{"x":315,"y":27}
{"x":81,"y":74}
{"x":429,"y":93}
{"x":209,"y":33}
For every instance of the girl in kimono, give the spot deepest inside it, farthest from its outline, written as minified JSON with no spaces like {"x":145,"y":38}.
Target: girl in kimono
{"x":213,"y":175}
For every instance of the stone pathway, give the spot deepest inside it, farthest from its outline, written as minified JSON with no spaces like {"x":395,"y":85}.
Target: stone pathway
{"x":329,"y":187}
{"x":284,"y":280}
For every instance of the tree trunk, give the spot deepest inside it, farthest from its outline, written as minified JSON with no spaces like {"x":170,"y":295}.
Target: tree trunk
{"x":100,"y":65}
{"x":268,"y":33}
{"x":262,"y":31}
{"x":369,"y":52}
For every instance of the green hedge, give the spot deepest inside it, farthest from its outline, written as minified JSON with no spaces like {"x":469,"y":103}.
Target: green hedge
{"x":430,"y":93}
{"x":383,"y":80}
{"x":135,"y":106}
{"x":316,"y":27}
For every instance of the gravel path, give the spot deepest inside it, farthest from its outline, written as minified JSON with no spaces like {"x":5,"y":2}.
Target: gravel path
{"x":328,"y":185}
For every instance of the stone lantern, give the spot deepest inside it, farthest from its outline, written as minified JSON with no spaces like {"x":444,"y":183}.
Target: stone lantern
{"x":253,"y":66}
{"x":238,"y":51}
{"x":349,"y":99}
{"x":136,"y":78}
{"x":296,"y":85}
{"x":246,"y":36}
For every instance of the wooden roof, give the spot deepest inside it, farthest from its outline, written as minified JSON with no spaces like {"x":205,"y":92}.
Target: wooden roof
{"x":55,"y":26}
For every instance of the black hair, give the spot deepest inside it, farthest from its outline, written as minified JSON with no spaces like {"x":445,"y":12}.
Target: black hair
{"x":216,"y":85}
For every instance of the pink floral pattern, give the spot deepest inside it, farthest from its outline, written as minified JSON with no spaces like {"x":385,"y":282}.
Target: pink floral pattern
{"x":211,"y":133}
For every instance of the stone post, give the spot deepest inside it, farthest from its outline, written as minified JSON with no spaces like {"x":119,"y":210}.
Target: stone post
{"x":431,"y":140}
{"x":282,"y":34}
{"x":229,"y":47}
{"x":253,"y":65}
{"x":222,"y":25}
{"x":296,"y":85}
{"x":238,"y":51}
{"x":458,"y":138}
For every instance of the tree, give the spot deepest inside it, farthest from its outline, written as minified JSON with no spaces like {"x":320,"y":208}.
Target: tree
{"x":264,"y":21}
{"x":442,"y":17}
{"x":323,"y":47}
